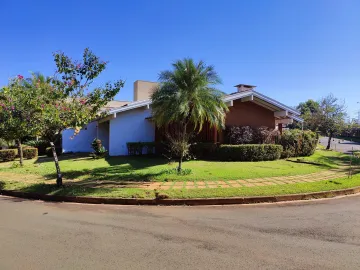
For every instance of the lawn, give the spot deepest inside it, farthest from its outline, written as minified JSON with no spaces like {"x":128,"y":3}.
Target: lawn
{"x":118,"y":176}
{"x":51,"y":189}
{"x":82,"y":168}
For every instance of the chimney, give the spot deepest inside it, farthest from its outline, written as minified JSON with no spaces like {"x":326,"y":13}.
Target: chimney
{"x":143,"y":90}
{"x":245,"y":87}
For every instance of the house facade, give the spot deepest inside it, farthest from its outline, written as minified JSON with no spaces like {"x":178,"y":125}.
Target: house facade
{"x":132,"y":121}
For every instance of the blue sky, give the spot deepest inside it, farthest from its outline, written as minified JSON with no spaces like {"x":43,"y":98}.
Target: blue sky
{"x":292,"y":50}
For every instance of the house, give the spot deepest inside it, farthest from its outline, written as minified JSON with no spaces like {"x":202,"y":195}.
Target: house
{"x":132,"y":122}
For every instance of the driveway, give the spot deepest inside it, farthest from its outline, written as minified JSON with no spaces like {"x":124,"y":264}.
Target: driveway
{"x":308,"y":235}
{"x":340,"y":145}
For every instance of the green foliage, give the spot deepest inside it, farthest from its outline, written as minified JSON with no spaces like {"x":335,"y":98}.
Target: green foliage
{"x":187,"y":97}
{"x":204,"y":150}
{"x":250,"y":135}
{"x":49,"y":152}
{"x":30,"y":153}
{"x":41,"y":145}
{"x":99,"y":149}
{"x":242,"y":152}
{"x":308,"y":111}
{"x":298,"y":143}
{"x":8,"y":154}
{"x":20,"y":110}
{"x":249,"y":152}
{"x":71,"y":103}
{"x":139,"y":148}
{"x":177,"y":172}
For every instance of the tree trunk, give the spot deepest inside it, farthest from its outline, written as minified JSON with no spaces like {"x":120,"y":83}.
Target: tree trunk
{"x":20,"y":153}
{"x":180,"y":164}
{"x":58,"y":172}
{"x":329,"y":142}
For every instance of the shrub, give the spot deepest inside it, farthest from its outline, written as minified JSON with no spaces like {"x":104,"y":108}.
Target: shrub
{"x":8,"y":154}
{"x":298,"y":143}
{"x":240,"y":135}
{"x":265,"y":135}
{"x":204,"y":150}
{"x":49,"y":153}
{"x":41,"y":145}
{"x":30,"y":153}
{"x":248,"y":135}
{"x":139,"y":148}
{"x":99,"y":149}
{"x":248,"y":152}
{"x":242,"y":152}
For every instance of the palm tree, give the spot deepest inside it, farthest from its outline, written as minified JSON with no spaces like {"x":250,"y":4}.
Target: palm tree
{"x":187,"y":96}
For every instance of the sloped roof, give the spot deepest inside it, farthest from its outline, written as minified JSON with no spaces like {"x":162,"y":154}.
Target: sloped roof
{"x":258,"y":98}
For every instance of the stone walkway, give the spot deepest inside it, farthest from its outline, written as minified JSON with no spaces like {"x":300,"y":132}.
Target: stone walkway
{"x":255,"y":182}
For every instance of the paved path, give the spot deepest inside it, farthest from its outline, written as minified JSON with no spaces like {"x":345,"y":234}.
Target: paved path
{"x":341,"y":145}
{"x":308,"y":235}
{"x":266,"y":181}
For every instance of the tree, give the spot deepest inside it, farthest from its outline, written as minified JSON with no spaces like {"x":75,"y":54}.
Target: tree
{"x":68,"y":102}
{"x":330,"y":117}
{"x":307,"y":110}
{"x":19,"y":111}
{"x":187,"y":98}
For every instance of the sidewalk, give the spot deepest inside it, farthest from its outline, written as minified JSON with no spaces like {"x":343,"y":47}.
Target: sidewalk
{"x":268,"y":181}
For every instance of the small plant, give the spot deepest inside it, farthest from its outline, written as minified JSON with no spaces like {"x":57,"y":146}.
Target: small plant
{"x":177,"y":172}
{"x":99,"y":149}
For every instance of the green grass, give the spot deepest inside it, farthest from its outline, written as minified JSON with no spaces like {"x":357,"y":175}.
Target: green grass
{"x":136,"y":169}
{"x":330,"y":159}
{"x":51,"y":189}
{"x":117,"y":176}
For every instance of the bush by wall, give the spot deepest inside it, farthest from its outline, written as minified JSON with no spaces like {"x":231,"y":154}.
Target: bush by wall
{"x":140,"y":148}
{"x":242,"y":152}
{"x":249,"y":152}
{"x":49,"y":153}
{"x":41,"y":145}
{"x":204,"y":150}
{"x":30,"y":153}
{"x":297,"y":143}
{"x":250,"y":135}
{"x":8,"y":154}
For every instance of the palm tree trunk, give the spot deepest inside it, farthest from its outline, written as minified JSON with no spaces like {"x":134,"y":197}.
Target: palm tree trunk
{"x":58,"y":172}
{"x":20,"y":153}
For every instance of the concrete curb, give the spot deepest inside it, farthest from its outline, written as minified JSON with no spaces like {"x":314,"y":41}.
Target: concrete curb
{"x":192,"y":202}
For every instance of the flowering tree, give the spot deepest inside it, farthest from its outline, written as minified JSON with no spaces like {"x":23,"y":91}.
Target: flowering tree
{"x":69,"y":102}
{"x":20,"y":111}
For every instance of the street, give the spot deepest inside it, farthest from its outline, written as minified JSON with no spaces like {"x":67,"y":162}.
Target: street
{"x":340,"y":145}
{"x":323,"y":234}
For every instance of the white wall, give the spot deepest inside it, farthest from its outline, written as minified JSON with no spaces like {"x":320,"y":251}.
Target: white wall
{"x":103,"y":134}
{"x":81,"y":142}
{"x":130,"y":126}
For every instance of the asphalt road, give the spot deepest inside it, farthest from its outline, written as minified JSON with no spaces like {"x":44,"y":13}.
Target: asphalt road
{"x":308,"y":235}
{"x":341,"y":145}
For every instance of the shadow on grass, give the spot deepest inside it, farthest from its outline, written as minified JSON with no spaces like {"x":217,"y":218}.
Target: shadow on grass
{"x":78,"y":156}
{"x":122,"y":171}
{"x":75,"y":190}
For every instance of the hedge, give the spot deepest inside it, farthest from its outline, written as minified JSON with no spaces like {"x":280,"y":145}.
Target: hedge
{"x":49,"y":152}
{"x":297,"y":143}
{"x":139,"y":148}
{"x":242,"y":152}
{"x":30,"y":153}
{"x":8,"y":154}
{"x":41,"y":145}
